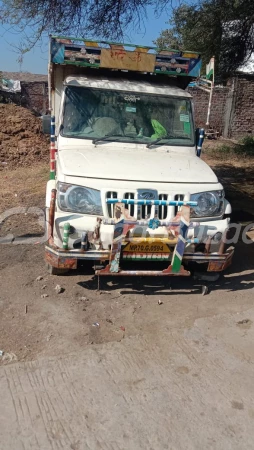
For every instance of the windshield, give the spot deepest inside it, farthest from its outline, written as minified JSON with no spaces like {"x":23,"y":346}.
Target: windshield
{"x":127,"y":117}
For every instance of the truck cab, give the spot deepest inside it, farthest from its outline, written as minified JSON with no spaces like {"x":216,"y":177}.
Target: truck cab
{"x":126,"y":183}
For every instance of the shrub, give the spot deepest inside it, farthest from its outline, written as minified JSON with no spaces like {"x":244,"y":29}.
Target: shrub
{"x":244,"y":149}
{"x":245,"y":146}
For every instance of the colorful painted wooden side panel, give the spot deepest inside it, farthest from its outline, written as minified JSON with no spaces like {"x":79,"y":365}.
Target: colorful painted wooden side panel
{"x":103,"y":54}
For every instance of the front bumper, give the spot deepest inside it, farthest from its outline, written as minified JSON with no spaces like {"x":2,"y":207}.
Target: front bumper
{"x":179,"y":242}
{"x":63,"y":259}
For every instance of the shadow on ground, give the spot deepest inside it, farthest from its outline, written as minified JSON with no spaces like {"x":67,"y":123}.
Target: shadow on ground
{"x":238,"y":277}
{"x":239,"y":189}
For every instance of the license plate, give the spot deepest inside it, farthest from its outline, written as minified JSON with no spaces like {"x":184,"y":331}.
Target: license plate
{"x":146,"y":247}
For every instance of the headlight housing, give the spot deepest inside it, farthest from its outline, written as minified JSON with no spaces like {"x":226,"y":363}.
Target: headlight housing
{"x":209,"y":204}
{"x":79,"y":199}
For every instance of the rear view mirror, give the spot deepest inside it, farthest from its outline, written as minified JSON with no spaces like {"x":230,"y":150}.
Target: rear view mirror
{"x":46,"y":124}
{"x":200,"y":135}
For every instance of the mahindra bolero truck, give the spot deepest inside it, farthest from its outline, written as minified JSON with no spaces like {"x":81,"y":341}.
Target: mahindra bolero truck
{"x":128,"y":189}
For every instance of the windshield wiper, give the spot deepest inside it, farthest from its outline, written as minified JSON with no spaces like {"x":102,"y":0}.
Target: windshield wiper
{"x":165,"y":137}
{"x":104,"y":138}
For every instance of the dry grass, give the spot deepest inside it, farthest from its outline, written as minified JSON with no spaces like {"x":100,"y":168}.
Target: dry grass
{"x":25,"y":186}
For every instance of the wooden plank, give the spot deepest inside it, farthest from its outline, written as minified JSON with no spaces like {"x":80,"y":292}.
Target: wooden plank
{"x":122,"y":59}
{"x":91,"y":44}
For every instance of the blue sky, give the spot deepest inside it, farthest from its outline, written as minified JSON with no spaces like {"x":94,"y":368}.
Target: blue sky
{"x":36,"y":60}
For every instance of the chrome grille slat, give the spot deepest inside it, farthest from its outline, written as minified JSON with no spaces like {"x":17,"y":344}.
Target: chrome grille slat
{"x":178,"y":197}
{"x":130,"y":195}
{"x":146,"y":212}
{"x":110,"y":208}
{"x":163,"y":210}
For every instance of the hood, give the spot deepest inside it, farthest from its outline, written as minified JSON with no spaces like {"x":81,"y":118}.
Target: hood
{"x":103,"y":162}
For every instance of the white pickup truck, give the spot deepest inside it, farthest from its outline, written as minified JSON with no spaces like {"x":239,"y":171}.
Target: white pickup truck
{"x":127,"y":187}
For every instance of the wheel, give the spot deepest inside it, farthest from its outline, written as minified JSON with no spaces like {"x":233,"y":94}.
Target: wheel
{"x":55,"y":270}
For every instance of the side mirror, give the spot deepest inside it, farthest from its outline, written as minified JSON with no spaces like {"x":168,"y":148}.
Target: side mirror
{"x":46,"y":124}
{"x":200,"y":136}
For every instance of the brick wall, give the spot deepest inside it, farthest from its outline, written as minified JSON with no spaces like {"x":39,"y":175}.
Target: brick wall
{"x":233,"y":103}
{"x":243,"y":109}
{"x":201,"y":101}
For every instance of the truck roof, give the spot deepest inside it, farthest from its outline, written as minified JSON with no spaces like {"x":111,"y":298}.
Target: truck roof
{"x":126,"y":57}
{"x":153,"y":86}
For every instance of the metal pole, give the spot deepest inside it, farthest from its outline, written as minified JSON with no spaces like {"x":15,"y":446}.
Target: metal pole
{"x":52,"y":213}
{"x":209,"y":106}
{"x":210,"y":97}
{"x":49,"y":76}
{"x":52,"y":129}
{"x":52,"y":150}
{"x":130,"y":201}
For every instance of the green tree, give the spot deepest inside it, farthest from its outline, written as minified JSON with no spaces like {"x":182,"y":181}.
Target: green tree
{"x":220,"y":28}
{"x":170,"y":38}
{"x":106,"y":19}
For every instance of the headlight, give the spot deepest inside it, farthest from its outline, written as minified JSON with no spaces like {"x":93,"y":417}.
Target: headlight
{"x":79,"y":199}
{"x":209,"y":204}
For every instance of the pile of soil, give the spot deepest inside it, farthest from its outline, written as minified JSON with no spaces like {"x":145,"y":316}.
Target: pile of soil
{"x":22,"y":142}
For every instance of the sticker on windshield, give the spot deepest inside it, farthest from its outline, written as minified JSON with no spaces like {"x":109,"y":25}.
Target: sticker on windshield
{"x":131,"y":98}
{"x":131,"y":109}
{"x":184,"y":118}
{"x":186,"y":127}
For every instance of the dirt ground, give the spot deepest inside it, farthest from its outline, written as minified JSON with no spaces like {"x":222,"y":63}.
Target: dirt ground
{"x":202,"y":344}
{"x":64,"y":322}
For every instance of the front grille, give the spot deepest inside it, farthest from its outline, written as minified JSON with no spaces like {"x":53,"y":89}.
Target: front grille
{"x":144,"y":212}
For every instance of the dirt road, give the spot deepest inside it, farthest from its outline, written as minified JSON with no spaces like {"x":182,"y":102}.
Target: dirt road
{"x":173,"y":376}
{"x":113,"y":369}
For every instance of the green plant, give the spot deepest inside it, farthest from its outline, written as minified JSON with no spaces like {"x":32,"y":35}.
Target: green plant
{"x":243,"y":149}
{"x":245,"y":146}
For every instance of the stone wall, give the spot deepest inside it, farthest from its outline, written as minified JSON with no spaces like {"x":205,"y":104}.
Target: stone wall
{"x":34,"y":95}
